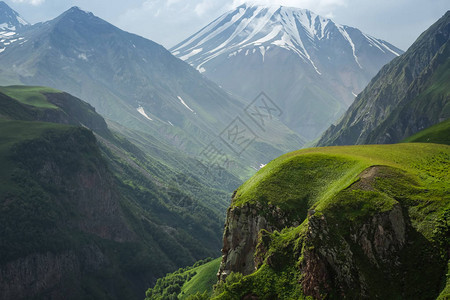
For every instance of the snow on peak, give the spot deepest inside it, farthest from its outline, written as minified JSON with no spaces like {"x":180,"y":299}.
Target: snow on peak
{"x":253,"y":29}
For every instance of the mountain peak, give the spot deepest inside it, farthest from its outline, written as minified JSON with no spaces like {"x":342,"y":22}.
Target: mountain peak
{"x":78,"y":10}
{"x":10,"y":19}
{"x":253,"y":26}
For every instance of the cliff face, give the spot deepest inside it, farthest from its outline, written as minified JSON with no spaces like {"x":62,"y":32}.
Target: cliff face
{"x":240,"y":237}
{"x":65,"y":171}
{"x":327,"y":260}
{"x":329,"y":265}
{"x":53,"y":276}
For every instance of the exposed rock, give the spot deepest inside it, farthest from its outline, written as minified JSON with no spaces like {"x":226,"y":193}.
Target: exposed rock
{"x":329,"y":264}
{"x":240,"y":236}
{"x":39,"y":274}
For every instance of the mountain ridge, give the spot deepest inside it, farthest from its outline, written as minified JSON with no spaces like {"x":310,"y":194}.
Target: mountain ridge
{"x":406,"y":96}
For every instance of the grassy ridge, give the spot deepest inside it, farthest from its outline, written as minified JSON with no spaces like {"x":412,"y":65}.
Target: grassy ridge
{"x":348,"y":186}
{"x":319,"y":173}
{"x":30,"y":95}
{"x":439,"y":134}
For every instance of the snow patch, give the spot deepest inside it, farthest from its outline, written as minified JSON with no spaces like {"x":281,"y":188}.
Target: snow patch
{"x":141,"y":110}
{"x":262,"y":166}
{"x":83,"y":56}
{"x":389,"y":49}
{"x":193,"y":52}
{"x":275,"y":31}
{"x":22,"y":21}
{"x":263,"y":51}
{"x":184,"y":103}
{"x":353,"y":93}
{"x":349,"y":40}
{"x":170,"y":123}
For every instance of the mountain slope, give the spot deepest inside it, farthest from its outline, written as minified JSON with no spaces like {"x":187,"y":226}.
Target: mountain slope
{"x":133,"y":82}
{"x":88,"y":214}
{"x":310,"y":65}
{"x":439,"y":134}
{"x":341,"y":222}
{"x":409,"y":94}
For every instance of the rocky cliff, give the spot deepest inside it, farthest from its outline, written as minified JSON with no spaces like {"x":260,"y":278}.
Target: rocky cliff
{"x":240,"y":236}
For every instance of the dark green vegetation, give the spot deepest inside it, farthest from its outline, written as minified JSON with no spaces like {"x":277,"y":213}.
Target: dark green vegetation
{"x":87,"y":214}
{"x":194,"y":282}
{"x":370,"y":218}
{"x":439,"y":134}
{"x":408,"y":94}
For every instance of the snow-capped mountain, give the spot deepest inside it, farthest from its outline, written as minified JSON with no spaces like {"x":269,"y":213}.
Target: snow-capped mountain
{"x":312,"y":66}
{"x":11,"y":23}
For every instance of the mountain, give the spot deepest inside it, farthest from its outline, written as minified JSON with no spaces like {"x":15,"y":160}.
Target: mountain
{"x":135,"y":83}
{"x":347,"y":222}
{"x":10,"y":19}
{"x":83,"y":212}
{"x":11,"y":24}
{"x":311,"y":66}
{"x":409,"y":94}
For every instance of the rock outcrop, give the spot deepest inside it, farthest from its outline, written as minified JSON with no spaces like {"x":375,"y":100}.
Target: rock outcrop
{"x":241,"y":234}
{"x":329,"y":265}
{"x":48,"y":274}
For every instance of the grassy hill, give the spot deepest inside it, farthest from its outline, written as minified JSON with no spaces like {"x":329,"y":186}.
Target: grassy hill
{"x":364,"y":220}
{"x":439,"y":134}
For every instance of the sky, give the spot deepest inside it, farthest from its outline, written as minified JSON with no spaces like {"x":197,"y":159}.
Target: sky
{"x":169,"y":22}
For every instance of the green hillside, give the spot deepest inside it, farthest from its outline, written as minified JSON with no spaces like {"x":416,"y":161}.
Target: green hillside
{"x":439,"y":134}
{"x":187,"y":282}
{"x":341,"y":197}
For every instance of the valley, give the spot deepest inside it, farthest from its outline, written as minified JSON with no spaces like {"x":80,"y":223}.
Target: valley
{"x":274,"y":154}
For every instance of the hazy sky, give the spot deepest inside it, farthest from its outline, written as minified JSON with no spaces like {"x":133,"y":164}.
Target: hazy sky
{"x":168,"y":22}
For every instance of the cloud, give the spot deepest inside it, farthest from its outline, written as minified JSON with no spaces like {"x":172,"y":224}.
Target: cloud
{"x":32,"y":2}
{"x":204,"y":7}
